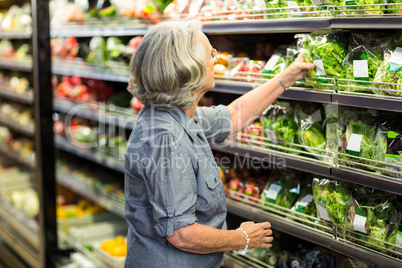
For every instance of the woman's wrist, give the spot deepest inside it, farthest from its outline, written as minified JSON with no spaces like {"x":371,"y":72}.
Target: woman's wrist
{"x":247,"y":241}
{"x":278,"y":76}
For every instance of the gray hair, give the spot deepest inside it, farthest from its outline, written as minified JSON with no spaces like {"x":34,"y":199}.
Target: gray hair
{"x":168,"y":65}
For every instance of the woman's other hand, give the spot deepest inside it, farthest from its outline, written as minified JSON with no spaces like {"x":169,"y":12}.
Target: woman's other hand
{"x":260,"y":234}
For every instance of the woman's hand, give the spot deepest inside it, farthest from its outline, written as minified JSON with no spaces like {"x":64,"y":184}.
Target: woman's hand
{"x":260,"y":234}
{"x":295,"y":71}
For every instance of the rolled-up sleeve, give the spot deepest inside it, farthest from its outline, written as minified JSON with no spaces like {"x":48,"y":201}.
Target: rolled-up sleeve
{"x":171,"y":184}
{"x":214,"y":121}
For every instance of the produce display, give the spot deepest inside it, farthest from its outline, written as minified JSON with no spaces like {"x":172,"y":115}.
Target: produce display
{"x":16,"y":143}
{"x":365,"y":56}
{"x":327,"y":50}
{"x":76,"y":88}
{"x":15,"y":83}
{"x":19,"y":113}
{"x":16,"y":19}
{"x":18,"y":51}
{"x":116,"y":247}
{"x":99,"y":52}
{"x":390,"y":69}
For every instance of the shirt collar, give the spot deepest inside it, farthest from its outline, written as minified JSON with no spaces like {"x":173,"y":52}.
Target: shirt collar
{"x":189,"y":126}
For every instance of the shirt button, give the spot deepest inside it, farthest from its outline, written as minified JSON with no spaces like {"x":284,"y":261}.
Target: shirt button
{"x":215,"y":180}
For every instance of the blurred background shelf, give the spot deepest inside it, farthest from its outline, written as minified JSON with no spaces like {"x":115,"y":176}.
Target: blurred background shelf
{"x":99,"y":158}
{"x":11,"y":95}
{"x":26,"y":130}
{"x":15,"y":35}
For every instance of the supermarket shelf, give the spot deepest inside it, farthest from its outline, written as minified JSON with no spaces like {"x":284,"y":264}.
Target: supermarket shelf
{"x":10,"y":64}
{"x":18,"y":245}
{"x":310,"y":234}
{"x":291,"y":94}
{"x":89,"y":31}
{"x":8,"y":257}
{"x":93,"y":73}
{"x":373,"y":102}
{"x":91,"y":195}
{"x":26,"y":130}
{"x":17,"y":225}
{"x":367,"y":23}
{"x":98,"y":158}
{"x":266,"y":26}
{"x":221,"y":27}
{"x":275,"y":158}
{"x":15,"y":35}
{"x":11,"y":95}
{"x":92,"y":112}
{"x":17,"y":157}
{"x":370,"y":179}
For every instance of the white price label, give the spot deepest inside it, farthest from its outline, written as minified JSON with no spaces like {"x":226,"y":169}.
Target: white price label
{"x":360,"y":68}
{"x":323,"y":213}
{"x":271,"y":136}
{"x":359,"y":224}
{"x":355,"y":142}
{"x":319,"y":65}
{"x":272,"y":62}
{"x":397,"y":56}
{"x":305,"y":200}
{"x":273,"y":191}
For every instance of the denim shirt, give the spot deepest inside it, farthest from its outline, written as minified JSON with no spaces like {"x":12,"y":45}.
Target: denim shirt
{"x":171,"y":181}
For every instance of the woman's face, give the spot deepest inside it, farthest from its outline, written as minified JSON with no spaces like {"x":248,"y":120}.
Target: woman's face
{"x":209,"y":61}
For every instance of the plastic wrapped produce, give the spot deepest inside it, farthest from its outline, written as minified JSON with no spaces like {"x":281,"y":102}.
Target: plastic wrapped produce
{"x":357,"y":138}
{"x":371,"y":213}
{"x":390,"y":70}
{"x":283,"y":188}
{"x":332,"y":199}
{"x":388,"y":145}
{"x":279,"y":126}
{"x":305,"y":203}
{"x":327,"y":50}
{"x":310,"y":119}
{"x":363,"y":60}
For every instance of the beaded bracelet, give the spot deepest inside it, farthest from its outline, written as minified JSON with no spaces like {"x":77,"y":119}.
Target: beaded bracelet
{"x":281,"y":82}
{"x":247,"y":241}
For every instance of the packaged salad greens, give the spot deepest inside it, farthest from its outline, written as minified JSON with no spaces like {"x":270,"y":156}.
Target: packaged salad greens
{"x":305,"y":203}
{"x":390,"y":70}
{"x":310,"y":120}
{"x":276,"y":63}
{"x":371,"y":213}
{"x":276,"y":9}
{"x":279,"y":126}
{"x":388,"y":148}
{"x":332,"y":199}
{"x":358,"y":129}
{"x":364,"y":57}
{"x":282,"y":189}
{"x":327,"y":50}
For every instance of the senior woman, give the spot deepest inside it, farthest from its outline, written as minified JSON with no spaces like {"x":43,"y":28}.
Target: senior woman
{"x":175,"y":202}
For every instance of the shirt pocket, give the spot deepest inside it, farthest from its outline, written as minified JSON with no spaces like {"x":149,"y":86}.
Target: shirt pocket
{"x":215,"y":188}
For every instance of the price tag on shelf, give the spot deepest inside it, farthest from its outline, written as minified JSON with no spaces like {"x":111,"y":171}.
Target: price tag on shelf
{"x":273,"y":191}
{"x":322,"y":211}
{"x":272,"y":62}
{"x":360,"y":68}
{"x":305,"y":200}
{"x":294,"y":9}
{"x":397,"y":56}
{"x":354,"y":144}
{"x":359,"y":224}
{"x":319,"y":65}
